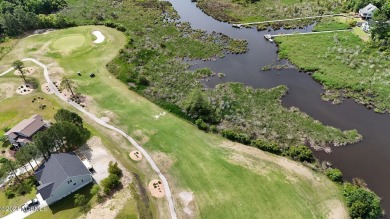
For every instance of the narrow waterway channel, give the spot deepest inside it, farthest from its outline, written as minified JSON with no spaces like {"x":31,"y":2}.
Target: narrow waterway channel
{"x":368,"y":159}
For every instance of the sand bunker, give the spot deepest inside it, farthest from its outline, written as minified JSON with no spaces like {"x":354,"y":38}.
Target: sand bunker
{"x":105,"y":119}
{"x":136,"y":155}
{"x":186,"y":198}
{"x":46,"y":89}
{"x":156,"y":188}
{"x":26,"y":71}
{"x":99,"y":36}
{"x":24,"y":89}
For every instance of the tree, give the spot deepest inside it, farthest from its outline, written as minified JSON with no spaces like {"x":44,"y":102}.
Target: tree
{"x":44,"y":142}
{"x":114,"y":169}
{"x":82,"y":202}
{"x":22,"y":158}
{"x":33,"y":152}
{"x":69,"y":135}
{"x":68,"y":84}
{"x":362,"y":203}
{"x":109,"y":183}
{"x":18,"y":65}
{"x":380,"y":30}
{"x":11,"y":166}
{"x":198,"y":106}
{"x":64,"y":115}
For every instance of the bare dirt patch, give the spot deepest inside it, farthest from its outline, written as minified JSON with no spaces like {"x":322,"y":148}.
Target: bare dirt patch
{"x":186,"y":199}
{"x":337,"y":210}
{"x":111,"y":207}
{"x":46,"y":89}
{"x":7,"y":90}
{"x":156,"y":188}
{"x":163,"y":161}
{"x":136,"y":155}
{"x":105,"y":119}
{"x":287,"y":164}
{"x":99,"y":157}
{"x":140,"y":137}
{"x":27,"y":71}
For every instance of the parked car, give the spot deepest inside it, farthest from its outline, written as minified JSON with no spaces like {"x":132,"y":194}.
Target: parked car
{"x":30,"y":204}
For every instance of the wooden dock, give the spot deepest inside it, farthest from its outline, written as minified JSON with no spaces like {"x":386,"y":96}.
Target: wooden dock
{"x":267,"y":36}
{"x":289,"y":19}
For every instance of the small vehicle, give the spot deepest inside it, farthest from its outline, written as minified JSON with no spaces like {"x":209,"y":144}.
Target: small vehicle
{"x":30,"y":204}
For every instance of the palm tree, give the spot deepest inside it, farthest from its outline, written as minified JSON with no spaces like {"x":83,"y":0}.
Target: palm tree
{"x":66,"y":83}
{"x":18,"y":65}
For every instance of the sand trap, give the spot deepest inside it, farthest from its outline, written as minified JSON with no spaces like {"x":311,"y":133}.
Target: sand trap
{"x":186,"y":198}
{"x":46,"y":89}
{"x":156,"y":188}
{"x":105,"y":119}
{"x":99,"y":36}
{"x":24,"y":89}
{"x":136,"y":155}
{"x":26,"y":71}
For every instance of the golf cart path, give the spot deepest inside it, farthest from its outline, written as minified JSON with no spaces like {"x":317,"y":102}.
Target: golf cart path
{"x":101,"y":122}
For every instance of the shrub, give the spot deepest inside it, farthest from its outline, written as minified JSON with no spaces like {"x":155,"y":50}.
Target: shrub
{"x":201,"y":125}
{"x":142,"y":80}
{"x":362,"y":203}
{"x":334,"y":174}
{"x":114,"y":169}
{"x":109,"y":183}
{"x":81,"y":201}
{"x":95,"y":189}
{"x":237,"y":137}
{"x":213,"y":129}
{"x":3,"y":160}
{"x":301,"y":153}
{"x":9,"y":194}
{"x":267,"y":146}
{"x":6,"y":129}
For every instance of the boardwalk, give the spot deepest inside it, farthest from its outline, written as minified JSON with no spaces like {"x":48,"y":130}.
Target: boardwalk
{"x":269,"y":36}
{"x":288,"y":19}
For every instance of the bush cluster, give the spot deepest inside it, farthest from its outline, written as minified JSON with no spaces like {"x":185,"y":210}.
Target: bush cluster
{"x":113,"y":179}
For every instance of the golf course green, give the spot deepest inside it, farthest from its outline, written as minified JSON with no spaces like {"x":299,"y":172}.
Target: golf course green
{"x":228,"y":180}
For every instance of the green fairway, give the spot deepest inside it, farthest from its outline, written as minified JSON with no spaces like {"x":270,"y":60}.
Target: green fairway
{"x":69,"y":42}
{"x":228,"y":180}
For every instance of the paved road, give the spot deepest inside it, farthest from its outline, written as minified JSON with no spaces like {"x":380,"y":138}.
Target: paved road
{"x":101,"y":122}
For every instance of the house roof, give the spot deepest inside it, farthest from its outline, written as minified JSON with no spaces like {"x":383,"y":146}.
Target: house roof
{"x":27,"y":127}
{"x":56,"y":171}
{"x":368,"y":9}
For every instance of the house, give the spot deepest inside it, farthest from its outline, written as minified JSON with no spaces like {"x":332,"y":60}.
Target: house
{"x":368,"y":11}
{"x":61,"y":175}
{"x":23,"y":132}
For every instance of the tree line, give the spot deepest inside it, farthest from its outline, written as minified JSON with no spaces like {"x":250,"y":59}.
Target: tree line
{"x":18,"y":16}
{"x":67,"y":134}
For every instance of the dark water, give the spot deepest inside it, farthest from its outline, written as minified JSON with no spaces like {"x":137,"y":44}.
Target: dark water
{"x":369,"y":159}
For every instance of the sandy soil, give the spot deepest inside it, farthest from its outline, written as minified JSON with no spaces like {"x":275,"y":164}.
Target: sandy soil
{"x":46,"y":89}
{"x":336,"y":210}
{"x":163,"y":161}
{"x":99,"y":36}
{"x":99,"y":157}
{"x":105,"y":119}
{"x":283,"y":162}
{"x":136,"y":155}
{"x":187,"y":200}
{"x":26,"y":71}
{"x":7,"y":90}
{"x":156,"y":188}
{"x":23,"y":90}
{"x":111,"y":207}
{"x":141,"y":137}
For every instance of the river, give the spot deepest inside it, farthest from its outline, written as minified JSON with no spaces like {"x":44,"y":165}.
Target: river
{"x":368,"y":159}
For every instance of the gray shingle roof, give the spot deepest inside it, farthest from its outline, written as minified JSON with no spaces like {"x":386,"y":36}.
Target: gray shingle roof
{"x":368,"y":9}
{"x":56,"y":170}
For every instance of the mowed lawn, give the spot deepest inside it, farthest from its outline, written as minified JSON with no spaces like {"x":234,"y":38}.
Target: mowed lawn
{"x":227,"y":183}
